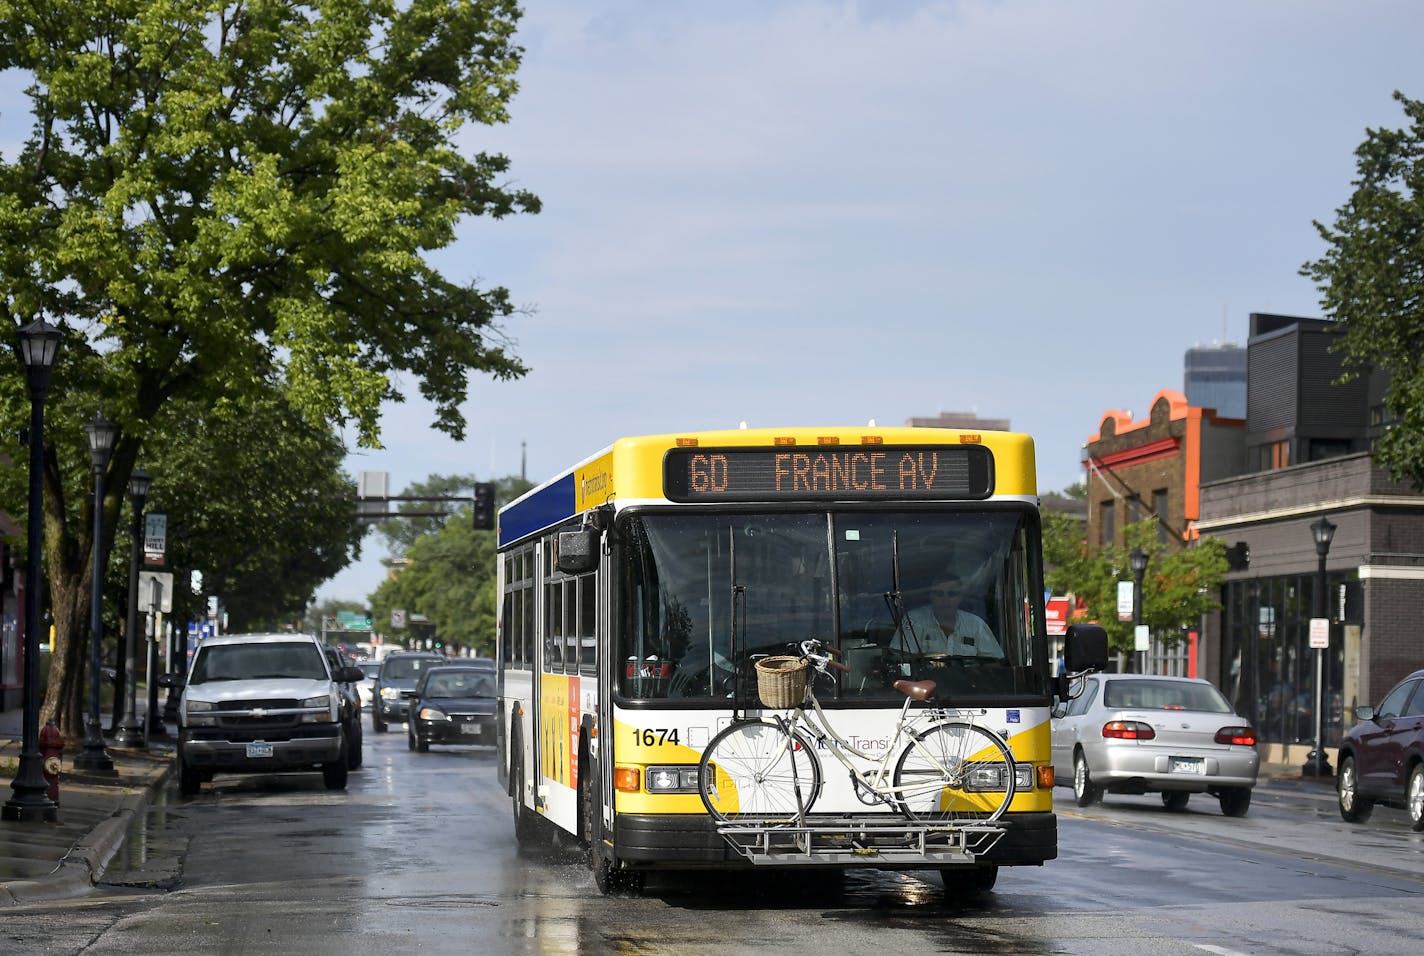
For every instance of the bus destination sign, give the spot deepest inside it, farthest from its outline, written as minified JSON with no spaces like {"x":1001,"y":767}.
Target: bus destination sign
{"x":860,"y":472}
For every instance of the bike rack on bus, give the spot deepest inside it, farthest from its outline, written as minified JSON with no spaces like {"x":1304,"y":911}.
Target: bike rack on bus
{"x":858,"y":842}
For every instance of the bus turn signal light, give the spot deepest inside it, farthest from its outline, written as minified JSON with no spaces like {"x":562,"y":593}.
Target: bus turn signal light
{"x":625,"y":779}
{"x":1045,"y":777}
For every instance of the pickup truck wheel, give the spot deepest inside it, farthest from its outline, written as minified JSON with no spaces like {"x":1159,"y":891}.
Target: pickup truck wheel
{"x":190,"y":781}
{"x":354,"y":757}
{"x":377,"y":724}
{"x":334,"y":774}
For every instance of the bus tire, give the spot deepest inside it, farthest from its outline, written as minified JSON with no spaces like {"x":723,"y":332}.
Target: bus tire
{"x":526,"y":825}
{"x":967,"y":882}
{"x":608,"y":875}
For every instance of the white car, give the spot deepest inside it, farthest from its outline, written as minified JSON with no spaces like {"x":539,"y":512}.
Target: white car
{"x":367,"y":687}
{"x":1140,"y":733}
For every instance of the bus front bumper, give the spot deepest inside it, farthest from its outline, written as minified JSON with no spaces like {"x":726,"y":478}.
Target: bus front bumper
{"x":650,"y":841}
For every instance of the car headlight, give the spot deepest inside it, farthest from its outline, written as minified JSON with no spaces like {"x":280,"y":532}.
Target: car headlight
{"x":431,"y":713}
{"x":327,"y":714}
{"x":390,"y":693}
{"x":194,"y":716}
{"x":671,"y":779}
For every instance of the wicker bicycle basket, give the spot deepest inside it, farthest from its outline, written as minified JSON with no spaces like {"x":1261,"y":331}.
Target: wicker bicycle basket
{"x":781,"y":681}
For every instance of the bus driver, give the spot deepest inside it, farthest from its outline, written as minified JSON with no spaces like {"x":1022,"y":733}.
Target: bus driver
{"x":940,"y":626}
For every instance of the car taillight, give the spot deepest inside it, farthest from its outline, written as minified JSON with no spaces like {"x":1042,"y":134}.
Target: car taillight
{"x":1240,"y":736}
{"x":1128,"y":730}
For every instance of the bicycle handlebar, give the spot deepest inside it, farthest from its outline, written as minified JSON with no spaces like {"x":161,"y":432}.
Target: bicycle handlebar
{"x":820,"y":656}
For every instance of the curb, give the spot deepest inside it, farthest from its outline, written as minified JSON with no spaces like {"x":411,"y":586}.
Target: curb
{"x":84,"y":864}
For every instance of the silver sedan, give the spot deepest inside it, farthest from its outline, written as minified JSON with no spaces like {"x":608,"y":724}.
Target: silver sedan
{"x":1139,"y":733}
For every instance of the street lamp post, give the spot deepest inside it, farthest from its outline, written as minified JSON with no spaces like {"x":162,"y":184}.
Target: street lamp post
{"x":1138,"y":560}
{"x":39,"y":343}
{"x":94,"y":758}
{"x":1317,"y":764}
{"x":131,"y":733}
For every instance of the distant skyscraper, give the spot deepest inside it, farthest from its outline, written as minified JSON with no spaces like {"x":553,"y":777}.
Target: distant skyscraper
{"x":963,"y":420}
{"x":1215,"y":377}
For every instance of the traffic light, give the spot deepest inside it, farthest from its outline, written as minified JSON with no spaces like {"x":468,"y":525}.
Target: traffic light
{"x":484,"y":506}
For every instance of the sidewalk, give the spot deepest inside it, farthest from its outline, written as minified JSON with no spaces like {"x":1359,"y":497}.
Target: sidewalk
{"x":61,"y":860}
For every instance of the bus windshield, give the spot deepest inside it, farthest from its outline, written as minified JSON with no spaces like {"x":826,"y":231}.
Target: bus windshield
{"x":928,"y":595}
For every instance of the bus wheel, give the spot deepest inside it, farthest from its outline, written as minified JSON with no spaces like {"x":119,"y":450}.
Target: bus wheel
{"x":967,"y":882}
{"x":608,"y":876}
{"x":526,"y":827}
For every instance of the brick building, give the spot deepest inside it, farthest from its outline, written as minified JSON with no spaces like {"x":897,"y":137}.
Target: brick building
{"x":1154,"y":467}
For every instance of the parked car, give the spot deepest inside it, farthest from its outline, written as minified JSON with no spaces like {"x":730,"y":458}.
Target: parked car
{"x":453,"y":704}
{"x":1140,"y":733}
{"x":1381,"y":758}
{"x":261,"y":703}
{"x":337,"y":660}
{"x":396,"y":683}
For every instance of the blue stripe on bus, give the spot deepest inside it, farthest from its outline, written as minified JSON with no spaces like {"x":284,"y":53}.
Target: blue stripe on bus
{"x":547,"y":506}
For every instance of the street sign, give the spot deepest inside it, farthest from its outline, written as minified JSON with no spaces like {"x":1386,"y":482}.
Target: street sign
{"x":1141,"y":638}
{"x":1319,"y":632}
{"x":155,"y":538}
{"x":148,"y":597}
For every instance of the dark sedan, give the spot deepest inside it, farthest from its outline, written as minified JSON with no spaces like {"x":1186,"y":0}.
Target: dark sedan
{"x":1382,"y":757}
{"x":453,"y":704}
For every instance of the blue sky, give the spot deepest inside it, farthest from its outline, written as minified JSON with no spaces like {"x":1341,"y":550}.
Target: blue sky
{"x":815,"y":212}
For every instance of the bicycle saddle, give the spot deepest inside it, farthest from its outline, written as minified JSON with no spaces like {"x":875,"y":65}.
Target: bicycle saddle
{"x":916,"y":689}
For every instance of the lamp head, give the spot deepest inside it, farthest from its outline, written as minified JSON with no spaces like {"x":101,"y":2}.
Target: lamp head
{"x":102,"y":433}
{"x":1324,"y":532}
{"x":1138,"y":559}
{"x":139,"y":483}
{"x":39,"y":345}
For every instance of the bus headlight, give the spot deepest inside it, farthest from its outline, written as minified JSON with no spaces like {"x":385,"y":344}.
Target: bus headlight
{"x":990,"y":777}
{"x":671,"y":779}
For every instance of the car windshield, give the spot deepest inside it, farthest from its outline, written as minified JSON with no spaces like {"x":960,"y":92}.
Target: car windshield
{"x":465,"y":684}
{"x":258,"y":661}
{"x":407,"y":668}
{"x":1164,"y":695}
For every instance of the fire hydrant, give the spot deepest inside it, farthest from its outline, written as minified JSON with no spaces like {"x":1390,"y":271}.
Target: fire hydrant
{"x":52,"y":750}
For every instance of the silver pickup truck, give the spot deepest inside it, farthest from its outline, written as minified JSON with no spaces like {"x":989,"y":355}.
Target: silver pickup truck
{"x":262,"y":703}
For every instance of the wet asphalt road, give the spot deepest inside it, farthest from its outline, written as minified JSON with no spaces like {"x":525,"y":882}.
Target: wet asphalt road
{"x":417,"y":856}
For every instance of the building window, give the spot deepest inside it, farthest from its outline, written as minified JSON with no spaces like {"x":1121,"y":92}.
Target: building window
{"x":1280,"y":454}
{"x":1106,"y":524}
{"x":1134,"y":509}
{"x":1159,"y":507}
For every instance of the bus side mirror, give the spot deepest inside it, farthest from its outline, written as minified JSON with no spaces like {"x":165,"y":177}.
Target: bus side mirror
{"x":1085,"y":648}
{"x":576,"y":552}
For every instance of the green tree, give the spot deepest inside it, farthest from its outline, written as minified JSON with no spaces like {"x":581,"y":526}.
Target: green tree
{"x":1177,"y":589}
{"x":221,"y":198}
{"x":1371,"y":280}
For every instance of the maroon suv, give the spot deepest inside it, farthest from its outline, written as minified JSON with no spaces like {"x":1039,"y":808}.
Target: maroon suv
{"x":1382,"y":757}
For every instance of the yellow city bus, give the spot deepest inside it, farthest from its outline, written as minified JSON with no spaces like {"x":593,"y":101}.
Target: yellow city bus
{"x":640,"y":587}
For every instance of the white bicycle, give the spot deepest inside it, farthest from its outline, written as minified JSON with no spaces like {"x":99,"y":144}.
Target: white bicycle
{"x":941,"y":766}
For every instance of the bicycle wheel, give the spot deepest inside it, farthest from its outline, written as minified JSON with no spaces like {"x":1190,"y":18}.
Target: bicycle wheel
{"x":756,"y":770}
{"x":955,"y":771}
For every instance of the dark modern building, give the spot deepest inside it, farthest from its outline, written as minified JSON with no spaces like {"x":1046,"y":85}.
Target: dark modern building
{"x":1308,"y":440}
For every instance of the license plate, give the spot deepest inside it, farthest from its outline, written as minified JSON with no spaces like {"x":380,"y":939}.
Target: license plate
{"x":469,"y":728}
{"x":259,"y":748}
{"x":1188,"y":765}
